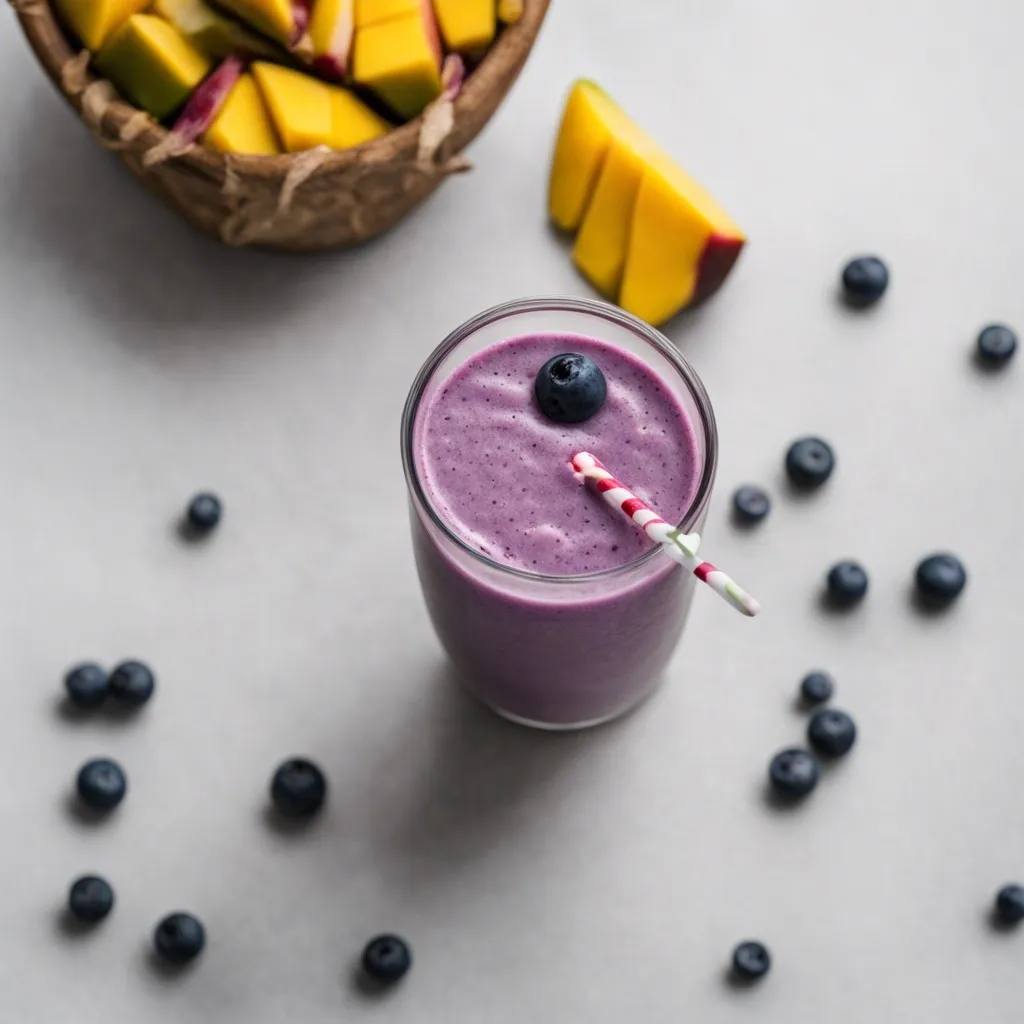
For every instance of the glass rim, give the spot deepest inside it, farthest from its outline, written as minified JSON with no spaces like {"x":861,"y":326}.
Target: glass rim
{"x":603,"y":311}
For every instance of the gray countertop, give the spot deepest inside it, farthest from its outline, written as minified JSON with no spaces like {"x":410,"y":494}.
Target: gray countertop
{"x":594,"y":878}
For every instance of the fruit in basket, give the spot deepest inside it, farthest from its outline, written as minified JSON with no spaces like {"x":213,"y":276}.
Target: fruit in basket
{"x":243,"y":124}
{"x":93,"y":21}
{"x":370,"y":12}
{"x":285,"y":21}
{"x":650,"y":237}
{"x":331,"y":29}
{"x":213,"y":33}
{"x":152,"y":64}
{"x":467,"y":26}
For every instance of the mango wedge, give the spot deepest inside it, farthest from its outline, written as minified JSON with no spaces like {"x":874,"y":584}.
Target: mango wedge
{"x":352,"y":121}
{"x":370,"y":12}
{"x":212,"y":33}
{"x":93,"y":21}
{"x":467,"y":26}
{"x":331,"y":29}
{"x":243,"y":124}
{"x":299,"y":106}
{"x":274,"y":18}
{"x":152,"y":64}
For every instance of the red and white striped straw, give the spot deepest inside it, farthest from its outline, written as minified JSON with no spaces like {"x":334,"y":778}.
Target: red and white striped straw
{"x":677,"y":545}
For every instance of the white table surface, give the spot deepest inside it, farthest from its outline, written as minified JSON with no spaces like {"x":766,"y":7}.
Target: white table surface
{"x":597,"y":878}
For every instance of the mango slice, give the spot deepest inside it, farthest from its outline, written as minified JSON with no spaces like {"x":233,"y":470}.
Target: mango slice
{"x":93,"y":21}
{"x":352,"y":121}
{"x":274,"y":18}
{"x":466,"y":25}
{"x":682,"y":245}
{"x":369,"y":12}
{"x":330,"y":30}
{"x":211,"y":32}
{"x":243,"y":124}
{"x":152,"y":64}
{"x":400,"y":60}
{"x":299,"y":106}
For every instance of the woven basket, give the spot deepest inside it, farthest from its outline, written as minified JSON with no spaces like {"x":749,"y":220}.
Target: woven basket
{"x":305,"y":201}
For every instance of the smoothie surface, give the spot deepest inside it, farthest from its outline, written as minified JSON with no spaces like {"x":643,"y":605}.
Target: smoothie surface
{"x":497,"y":470}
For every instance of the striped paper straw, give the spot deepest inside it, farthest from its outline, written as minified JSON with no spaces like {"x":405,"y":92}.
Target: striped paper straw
{"x":682,"y":547}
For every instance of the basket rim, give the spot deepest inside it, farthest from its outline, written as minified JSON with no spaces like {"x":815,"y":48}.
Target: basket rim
{"x":53,"y":49}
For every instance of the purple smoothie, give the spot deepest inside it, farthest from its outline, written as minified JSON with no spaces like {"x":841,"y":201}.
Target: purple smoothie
{"x":554,"y":610}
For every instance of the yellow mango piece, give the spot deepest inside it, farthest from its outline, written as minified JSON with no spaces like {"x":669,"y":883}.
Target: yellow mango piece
{"x":211,"y":32}
{"x":400,"y":60}
{"x":600,"y":249}
{"x":682,"y":244}
{"x":369,"y":12}
{"x":243,"y":124}
{"x":352,"y":121}
{"x":93,"y":21}
{"x":274,"y":18}
{"x":330,"y":32}
{"x":152,"y":64}
{"x":466,"y":25}
{"x":299,"y":106}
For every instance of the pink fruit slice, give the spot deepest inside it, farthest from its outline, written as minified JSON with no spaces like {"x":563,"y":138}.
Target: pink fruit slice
{"x":204,"y":104}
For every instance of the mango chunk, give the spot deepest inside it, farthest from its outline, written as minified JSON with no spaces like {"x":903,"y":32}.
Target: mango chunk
{"x":299,"y":106}
{"x":152,"y":64}
{"x":369,"y":12}
{"x":682,"y":245}
{"x":352,"y":121}
{"x":400,"y":60}
{"x":243,"y":124}
{"x":93,"y":21}
{"x":274,"y":18}
{"x":466,"y":25}
{"x":211,"y":32}
{"x":330,"y":31}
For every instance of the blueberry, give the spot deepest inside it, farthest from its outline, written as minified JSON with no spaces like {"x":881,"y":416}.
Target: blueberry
{"x":940,"y":579}
{"x":1010,"y":904}
{"x":751,"y":503}
{"x":847,"y":584}
{"x":298,"y":788}
{"x":809,"y":462}
{"x":831,"y":732}
{"x":90,"y":898}
{"x":87,"y":685}
{"x":996,"y":345}
{"x":101,"y":784}
{"x":570,"y":388}
{"x":794,"y":773}
{"x":131,"y":683}
{"x":179,"y":937}
{"x":751,"y":960}
{"x":817,"y":687}
{"x":386,"y":959}
{"x":865,"y":280}
{"x":204,"y":512}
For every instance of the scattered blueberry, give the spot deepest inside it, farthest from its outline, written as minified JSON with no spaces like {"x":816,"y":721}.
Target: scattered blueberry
{"x":817,"y":687}
{"x":794,"y":773}
{"x":831,"y":732}
{"x":87,"y":686}
{"x":751,"y":503}
{"x":131,"y":683}
{"x":751,"y":960}
{"x":1010,"y":904}
{"x":996,"y":345}
{"x":386,"y":959}
{"x":179,"y":937}
{"x":101,"y":784}
{"x":570,"y":388}
{"x":865,"y":280}
{"x":809,"y":462}
{"x":847,"y":584}
{"x":90,"y":898}
{"x":204,"y":512}
{"x":940,"y":579}
{"x":298,"y":788}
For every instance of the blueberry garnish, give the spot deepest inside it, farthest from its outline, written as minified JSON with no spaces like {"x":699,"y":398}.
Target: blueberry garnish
{"x":87,"y":686}
{"x":90,"y":898}
{"x":809,"y":462}
{"x":101,"y":784}
{"x":298,"y":788}
{"x":751,"y":960}
{"x":1010,"y":904}
{"x":131,"y":683}
{"x":179,"y":937}
{"x":570,"y":388}
{"x":940,"y":579}
{"x":386,"y":959}
{"x":794,"y":773}
{"x":751,"y":503}
{"x":816,"y":687}
{"x":204,"y":512}
{"x":996,"y":345}
{"x":831,"y":732}
{"x":865,"y":280}
{"x":847,"y":584}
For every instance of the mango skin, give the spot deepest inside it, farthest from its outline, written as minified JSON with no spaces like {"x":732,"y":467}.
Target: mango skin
{"x":152,"y":64}
{"x":243,"y":124}
{"x":94,"y":21}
